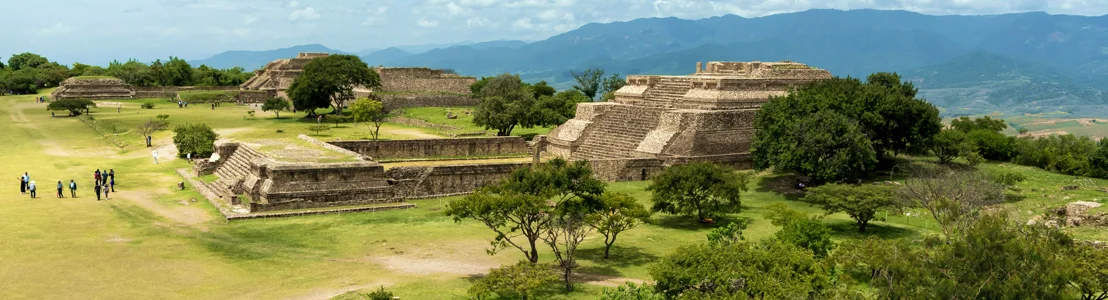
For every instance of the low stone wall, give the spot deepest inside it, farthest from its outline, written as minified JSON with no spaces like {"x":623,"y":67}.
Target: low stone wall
{"x":488,"y":146}
{"x":398,"y":101}
{"x":627,"y":169}
{"x":283,"y":186}
{"x":327,"y":146}
{"x":171,"y":91}
{"x":423,"y":80}
{"x":452,"y":180}
{"x":420,"y":123}
{"x":247,"y":96}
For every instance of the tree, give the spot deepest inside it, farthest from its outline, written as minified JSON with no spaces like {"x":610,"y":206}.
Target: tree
{"x":861,"y":202}
{"x":519,"y":281}
{"x":966,"y":124}
{"x":950,"y":144}
{"x":588,"y":82}
{"x":568,"y":228}
{"x":26,"y":60}
{"x":319,"y":128}
{"x":884,"y":112}
{"x":541,"y":89}
{"x":727,"y":234}
{"x":23,"y":81}
{"x":800,"y":230}
{"x":369,"y":111}
{"x":276,"y":105}
{"x":952,"y":197}
{"x":505,"y":104}
{"x":74,"y":106}
{"x":1091,"y":268}
{"x":379,"y":294}
{"x":620,"y":213}
{"x":1098,"y":160}
{"x":825,"y":146}
{"x":147,"y":128}
{"x":330,"y":81}
{"x":992,"y":145}
{"x":764,"y":270}
{"x":612,"y":84}
{"x":524,"y":204}
{"x":557,"y":109}
{"x":198,"y":139}
{"x":700,"y":190}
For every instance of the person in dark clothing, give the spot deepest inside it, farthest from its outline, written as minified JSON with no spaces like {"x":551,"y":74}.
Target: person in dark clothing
{"x":111,"y":175}
{"x":96,"y":176}
{"x":111,"y":183}
{"x":60,"y":189}
{"x":148,"y":141}
{"x":23,"y":186}
{"x":72,"y":188}
{"x":96,"y":188}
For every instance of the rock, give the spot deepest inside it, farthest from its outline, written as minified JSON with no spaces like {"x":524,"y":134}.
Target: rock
{"x":1070,"y":188}
{"x":451,"y":115}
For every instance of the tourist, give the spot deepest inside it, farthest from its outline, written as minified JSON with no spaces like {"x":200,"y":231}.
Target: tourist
{"x":60,"y":189}
{"x":148,"y":138}
{"x":117,"y":108}
{"x":52,"y":115}
{"x":31,"y":187}
{"x":186,"y":104}
{"x":155,"y":156}
{"x":180,"y":104}
{"x":23,"y":183}
{"x":96,"y":176}
{"x":106,"y":192}
{"x":213,"y":105}
{"x":111,"y":174}
{"x":111,"y":183}
{"x":72,"y":188}
{"x":96,"y":188}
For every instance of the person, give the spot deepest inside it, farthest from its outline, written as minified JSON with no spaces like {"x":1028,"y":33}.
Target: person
{"x":180,"y":104}
{"x":148,"y":141}
{"x":72,"y":188}
{"x":186,"y":104}
{"x":52,"y":114}
{"x":96,"y":176}
{"x":188,"y":156}
{"x":60,"y":189}
{"x":155,"y":157}
{"x":213,"y":105}
{"x":117,"y":108}
{"x":111,"y":174}
{"x":106,"y":192}
{"x":31,"y":186}
{"x":111,"y":183}
{"x":96,"y":188}
{"x":23,"y":183}
{"x":319,"y":119}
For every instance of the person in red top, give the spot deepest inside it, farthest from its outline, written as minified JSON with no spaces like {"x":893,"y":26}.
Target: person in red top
{"x":96,"y":176}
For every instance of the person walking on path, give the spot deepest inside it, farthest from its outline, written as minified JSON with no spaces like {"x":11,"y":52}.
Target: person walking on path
{"x":155,"y":156}
{"x":106,"y":192}
{"x":23,"y":185}
{"x":148,"y":141}
{"x":31,"y":186}
{"x":72,"y":188}
{"x":60,"y":190}
{"x":111,"y":175}
{"x":111,"y":183}
{"x":96,"y":188}
{"x":96,"y":176}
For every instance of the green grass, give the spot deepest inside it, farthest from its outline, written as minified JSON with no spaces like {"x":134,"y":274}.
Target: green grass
{"x":152,"y":241}
{"x":437,"y":115}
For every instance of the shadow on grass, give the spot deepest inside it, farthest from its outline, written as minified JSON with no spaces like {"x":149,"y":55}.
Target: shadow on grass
{"x":690,"y":223}
{"x":783,"y":184}
{"x":620,"y":257}
{"x":848,"y":229}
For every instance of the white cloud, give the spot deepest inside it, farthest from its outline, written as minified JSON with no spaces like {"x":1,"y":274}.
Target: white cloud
{"x":523,"y":24}
{"x":249,"y":19}
{"x":57,"y":29}
{"x":477,"y":22}
{"x":425,"y":23}
{"x":293,"y":4}
{"x":305,"y":14}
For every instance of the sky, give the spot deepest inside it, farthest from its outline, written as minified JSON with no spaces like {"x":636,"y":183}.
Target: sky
{"x":98,"y":31}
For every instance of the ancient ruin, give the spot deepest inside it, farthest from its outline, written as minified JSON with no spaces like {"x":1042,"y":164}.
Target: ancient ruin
{"x":666,"y":120}
{"x":93,"y":88}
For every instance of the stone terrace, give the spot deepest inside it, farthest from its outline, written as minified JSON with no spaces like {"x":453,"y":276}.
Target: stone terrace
{"x":93,"y":88}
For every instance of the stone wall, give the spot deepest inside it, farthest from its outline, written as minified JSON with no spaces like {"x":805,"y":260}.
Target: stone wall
{"x":399,"y":101}
{"x":282,"y":186}
{"x":423,"y":80}
{"x":430,"y":148}
{"x":93,"y":89}
{"x":247,"y":96}
{"x":452,"y":180}
{"x":171,"y":91}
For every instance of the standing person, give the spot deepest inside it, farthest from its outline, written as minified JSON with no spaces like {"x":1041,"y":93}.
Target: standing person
{"x":155,"y":156}
{"x":60,"y":189}
{"x":188,"y":156}
{"x":111,"y":175}
{"x":96,"y":176}
{"x":106,"y":192}
{"x":72,"y":188}
{"x":96,"y":188}
{"x":111,"y":183}
{"x":23,"y":186}
{"x":148,"y":141}
{"x":117,"y":108}
{"x":213,"y":105}
{"x":31,"y":186}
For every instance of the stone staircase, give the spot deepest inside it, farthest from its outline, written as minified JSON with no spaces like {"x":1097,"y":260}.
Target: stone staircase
{"x":233,"y":170}
{"x":618,"y":132}
{"x":669,"y":89}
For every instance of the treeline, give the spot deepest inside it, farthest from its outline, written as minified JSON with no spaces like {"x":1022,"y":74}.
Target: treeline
{"x":981,"y":138}
{"x":27,"y":72}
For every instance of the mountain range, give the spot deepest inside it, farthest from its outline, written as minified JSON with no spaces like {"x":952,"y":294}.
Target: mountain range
{"x":1011,"y":63}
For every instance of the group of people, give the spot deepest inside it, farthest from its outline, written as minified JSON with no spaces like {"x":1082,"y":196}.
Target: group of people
{"x":181,"y":104}
{"x":105,"y":182}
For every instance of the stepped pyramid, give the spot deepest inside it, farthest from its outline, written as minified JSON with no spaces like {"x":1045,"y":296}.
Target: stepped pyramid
{"x":704,"y":116}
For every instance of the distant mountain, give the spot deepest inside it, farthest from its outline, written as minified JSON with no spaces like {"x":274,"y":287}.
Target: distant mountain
{"x":384,"y":57}
{"x":510,"y":44}
{"x":251,"y":60}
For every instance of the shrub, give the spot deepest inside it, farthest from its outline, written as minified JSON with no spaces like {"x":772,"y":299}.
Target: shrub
{"x":319,"y":128}
{"x":520,"y":281}
{"x":1009,"y":178}
{"x":630,"y":291}
{"x":148,"y":105}
{"x":194,"y":138}
{"x":379,"y":294}
{"x":276,"y":105}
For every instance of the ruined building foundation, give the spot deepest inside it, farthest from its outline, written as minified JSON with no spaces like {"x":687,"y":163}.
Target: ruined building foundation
{"x":706,"y":116}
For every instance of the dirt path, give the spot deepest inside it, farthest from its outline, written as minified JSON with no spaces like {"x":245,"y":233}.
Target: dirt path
{"x":415,"y":134}
{"x":183,"y":214}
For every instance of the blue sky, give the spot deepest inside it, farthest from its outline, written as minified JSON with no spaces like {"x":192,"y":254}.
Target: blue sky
{"x":96,"y":31}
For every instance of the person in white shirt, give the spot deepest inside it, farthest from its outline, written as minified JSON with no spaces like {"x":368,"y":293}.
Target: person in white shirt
{"x":155,"y":157}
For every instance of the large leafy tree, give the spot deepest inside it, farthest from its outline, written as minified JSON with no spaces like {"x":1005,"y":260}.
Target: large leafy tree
{"x":74,"y":106}
{"x":701,"y":190}
{"x":557,"y":109}
{"x":611,"y":85}
{"x":883,"y":110}
{"x":861,"y":202}
{"x":826,"y":146}
{"x":276,"y":105}
{"x":800,"y":230}
{"x":26,"y":60}
{"x":198,"y":139}
{"x":330,"y":81}
{"x":950,"y":144}
{"x":505,"y":104}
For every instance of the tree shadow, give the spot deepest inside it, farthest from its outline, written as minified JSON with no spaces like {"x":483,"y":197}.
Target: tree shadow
{"x":620,"y":256}
{"x":783,"y":184}
{"x":848,"y":229}
{"x":690,"y":223}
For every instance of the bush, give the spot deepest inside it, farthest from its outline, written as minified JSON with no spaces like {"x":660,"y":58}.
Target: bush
{"x":1009,"y":178}
{"x":379,"y":294}
{"x":198,"y":139}
{"x":630,"y":291}
{"x":319,"y":128}
{"x":520,"y":281}
{"x":148,"y":105}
